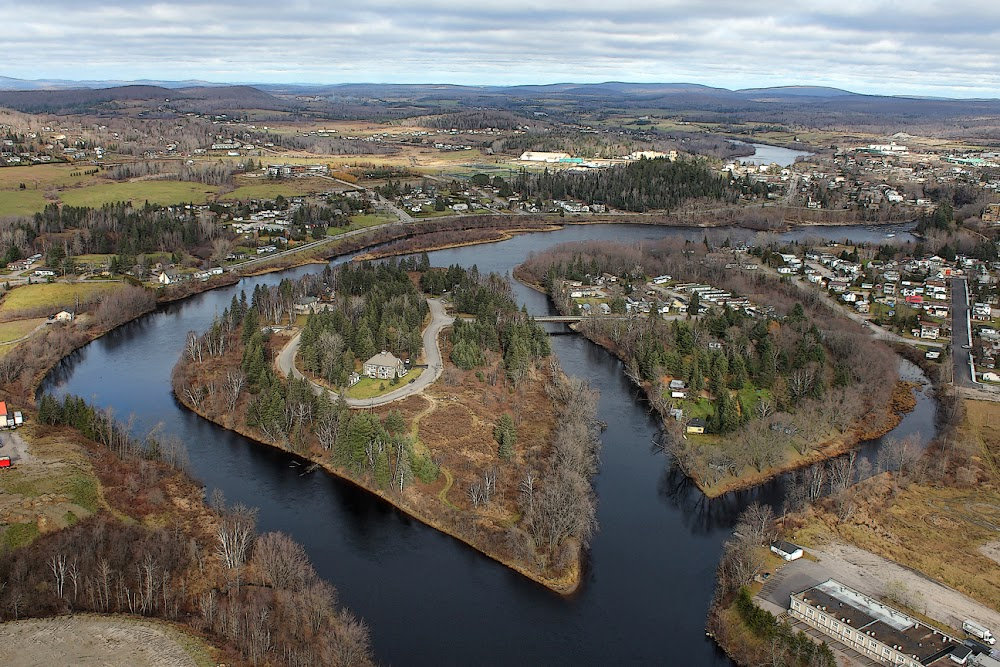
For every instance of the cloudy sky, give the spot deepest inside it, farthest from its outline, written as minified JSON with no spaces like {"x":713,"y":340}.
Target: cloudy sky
{"x":871,"y":46}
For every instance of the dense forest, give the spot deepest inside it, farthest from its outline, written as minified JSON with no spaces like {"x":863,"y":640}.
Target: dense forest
{"x":776,"y":383}
{"x":369,"y":307}
{"x":497,"y":326}
{"x":121,"y":228}
{"x":639,"y":186}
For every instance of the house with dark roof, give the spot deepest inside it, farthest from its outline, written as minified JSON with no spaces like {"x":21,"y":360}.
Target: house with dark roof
{"x":872,"y":628}
{"x":696,"y":425}
{"x":384,"y":366}
{"x":786,"y":550}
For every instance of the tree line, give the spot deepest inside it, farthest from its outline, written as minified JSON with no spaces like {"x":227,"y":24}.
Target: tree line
{"x":640,"y":186}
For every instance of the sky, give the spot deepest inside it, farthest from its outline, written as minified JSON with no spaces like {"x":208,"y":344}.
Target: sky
{"x":949,"y":49}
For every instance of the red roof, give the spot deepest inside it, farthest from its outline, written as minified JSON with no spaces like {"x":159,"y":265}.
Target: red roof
{"x":3,"y":408}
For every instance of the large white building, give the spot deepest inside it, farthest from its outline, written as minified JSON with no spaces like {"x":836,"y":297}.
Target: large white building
{"x":873,"y":628}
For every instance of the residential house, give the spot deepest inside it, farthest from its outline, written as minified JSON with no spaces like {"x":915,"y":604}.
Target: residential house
{"x":982,"y":311}
{"x":63,"y":316}
{"x":929,"y":329}
{"x":168,"y":277}
{"x":384,"y":366}
{"x":353,"y":379}
{"x":786,"y":550}
{"x":306,"y":304}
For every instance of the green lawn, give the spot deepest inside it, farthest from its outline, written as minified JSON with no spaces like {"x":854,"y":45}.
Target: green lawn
{"x":429,"y":212}
{"x":21,"y":202}
{"x":155,"y":192}
{"x":369,"y":388}
{"x":368,"y":220}
{"x":53,"y":294}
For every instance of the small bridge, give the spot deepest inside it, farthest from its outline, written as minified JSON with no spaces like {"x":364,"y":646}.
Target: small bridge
{"x":558,"y":318}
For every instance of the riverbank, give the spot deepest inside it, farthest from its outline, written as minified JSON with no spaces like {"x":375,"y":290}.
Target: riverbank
{"x":873,"y":425}
{"x":399,"y":450}
{"x":564,"y":583}
{"x":122,"y":517}
{"x":495,"y":236}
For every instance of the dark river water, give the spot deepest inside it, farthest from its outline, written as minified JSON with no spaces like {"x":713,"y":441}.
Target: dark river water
{"x":428,"y":598}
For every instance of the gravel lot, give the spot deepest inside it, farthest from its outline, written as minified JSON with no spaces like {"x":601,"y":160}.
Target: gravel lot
{"x":103,"y":641}
{"x":874,"y":575}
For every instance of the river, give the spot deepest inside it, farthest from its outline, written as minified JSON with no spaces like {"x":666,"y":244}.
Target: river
{"x":429,"y":599}
{"x":767,"y":154}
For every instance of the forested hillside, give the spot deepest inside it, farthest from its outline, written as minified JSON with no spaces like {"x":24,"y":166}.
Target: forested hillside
{"x":642,"y":185}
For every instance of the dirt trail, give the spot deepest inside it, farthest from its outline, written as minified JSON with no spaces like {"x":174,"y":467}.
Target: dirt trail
{"x":873,"y":574}
{"x":98,"y":640}
{"x":14,"y":446}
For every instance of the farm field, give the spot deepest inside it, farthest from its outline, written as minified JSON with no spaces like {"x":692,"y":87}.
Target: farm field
{"x":21,"y":202}
{"x":52,"y":295}
{"x":155,"y":192}
{"x":259,"y":188}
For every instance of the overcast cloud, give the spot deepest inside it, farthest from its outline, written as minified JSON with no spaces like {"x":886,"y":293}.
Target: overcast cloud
{"x":918,"y":47}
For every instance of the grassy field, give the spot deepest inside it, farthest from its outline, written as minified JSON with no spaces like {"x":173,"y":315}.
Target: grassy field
{"x":11,"y":331}
{"x":52,"y":295}
{"x":260,"y":188}
{"x":369,"y":388}
{"x":945,"y":533}
{"x":55,"y":487}
{"x":42,"y":176}
{"x":158,"y":192}
{"x":368,"y":220}
{"x":21,"y":202}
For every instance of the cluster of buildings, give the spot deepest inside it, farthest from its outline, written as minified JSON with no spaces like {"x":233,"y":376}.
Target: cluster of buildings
{"x":565,"y":159}
{"x":296,"y":170}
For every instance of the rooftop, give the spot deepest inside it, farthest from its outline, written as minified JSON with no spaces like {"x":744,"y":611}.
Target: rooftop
{"x":881,"y":622}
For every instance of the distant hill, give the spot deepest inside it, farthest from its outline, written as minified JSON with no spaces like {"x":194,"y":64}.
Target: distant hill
{"x":97,"y":100}
{"x":794,"y":91}
{"x":8,"y":83}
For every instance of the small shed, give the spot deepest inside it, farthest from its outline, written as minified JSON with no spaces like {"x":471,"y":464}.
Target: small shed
{"x":696,"y":425}
{"x":786,"y":550}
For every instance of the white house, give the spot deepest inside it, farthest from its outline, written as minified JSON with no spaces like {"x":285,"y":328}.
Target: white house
{"x":786,"y":550}
{"x":384,"y":366}
{"x":168,"y":277}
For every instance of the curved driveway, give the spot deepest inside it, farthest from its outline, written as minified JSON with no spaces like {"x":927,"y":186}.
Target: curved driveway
{"x":432,"y":355}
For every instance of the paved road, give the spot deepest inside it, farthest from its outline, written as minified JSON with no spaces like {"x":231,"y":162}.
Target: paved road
{"x":960,"y":334}
{"x":432,"y":356}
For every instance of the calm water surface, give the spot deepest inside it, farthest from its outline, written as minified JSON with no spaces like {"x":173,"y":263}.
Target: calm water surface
{"x":429,"y":599}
